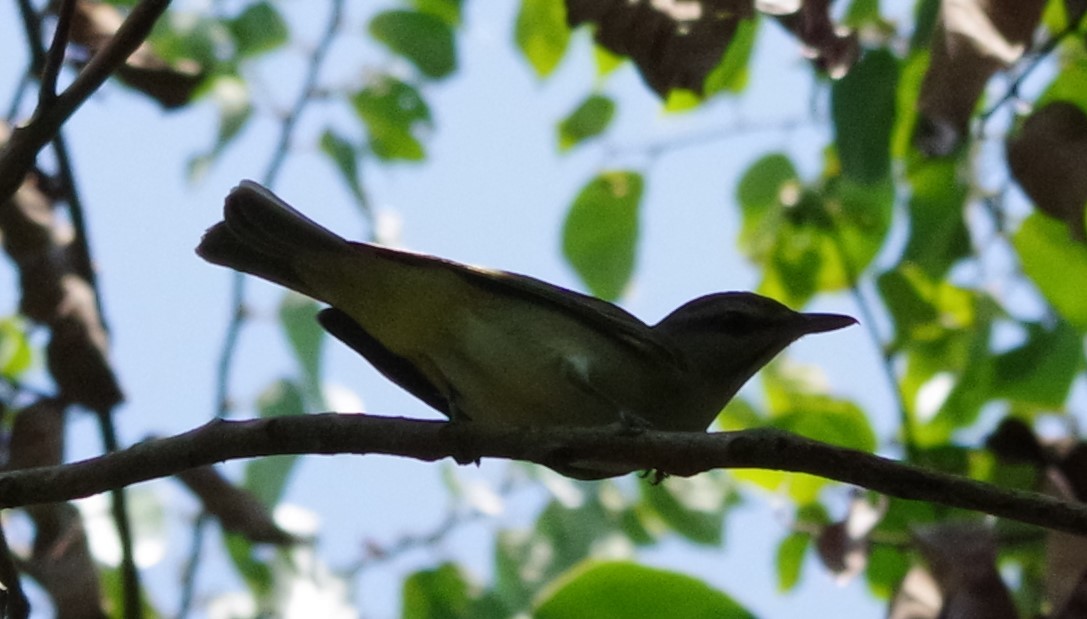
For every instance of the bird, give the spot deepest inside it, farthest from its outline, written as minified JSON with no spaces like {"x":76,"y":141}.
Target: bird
{"x":501,"y":349}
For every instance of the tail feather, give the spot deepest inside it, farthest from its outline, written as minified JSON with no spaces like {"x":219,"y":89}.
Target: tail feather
{"x":264,"y":236}
{"x":263,"y":219}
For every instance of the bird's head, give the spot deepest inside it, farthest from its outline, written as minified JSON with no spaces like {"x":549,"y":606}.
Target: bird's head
{"x":728,"y":336}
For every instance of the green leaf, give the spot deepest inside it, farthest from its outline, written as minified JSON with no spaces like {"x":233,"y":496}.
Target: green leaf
{"x":563,"y":536}
{"x":541,"y":34}
{"x":826,"y":419}
{"x":731,"y":74}
{"x":345,"y":158}
{"x":393,"y":111}
{"x":924,"y":310}
{"x":16,"y":354}
{"x":439,"y":593}
{"x":257,"y":573}
{"x":887,"y":566}
{"x":809,"y":238}
{"x":182,"y":35}
{"x":622,"y":590}
{"x":861,"y":12}
{"x":760,"y":193}
{"x":694,"y":507}
{"x":938,"y":235}
{"x":863,"y":110}
{"x":297,"y":316}
{"x":590,"y":119}
{"x":926,"y":15}
{"x":681,"y":100}
{"x":425,"y":40}
{"x":1056,"y":265}
{"x":446,"y":10}
{"x":790,"y":560}
{"x":973,"y":373}
{"x":1040,"y":372}
{"x":1068,"y":84}
{"x":259,"y":29}
{"x":267,"y":477}
{"x":601,"y":231}
{"x":605,"y":60}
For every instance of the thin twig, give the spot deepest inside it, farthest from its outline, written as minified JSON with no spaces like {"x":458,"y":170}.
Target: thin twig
{"x":130,"y":576}
{"x":81,"y":244}
{"x":188,"y":576}
{"x":54,"y":59}
{"x":1035,"y":61}
{"x":868,"y":321}
{"x":305,"y":95}
{"x":19,"y":154}
{"x":32,"y":30}
{"x":225,"y":365}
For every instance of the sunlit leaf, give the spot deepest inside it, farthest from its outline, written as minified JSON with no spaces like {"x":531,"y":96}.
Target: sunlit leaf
{"x":424,"y":39}
{"x":446,"y":10}
{"x":601,"y":232}
{"x":681,"y":100}
{"x":541,"y":34}
{"x":1056,"y":265}
{"x":732,"y":73}
{"x":438,"y":593}
{"x":809,"y":238}
{"x":606,"y":61}
{"x":790,"y":559}
{"x":15,"y":351}
{"x":1040,"y":372}
{"x":619,"y":590}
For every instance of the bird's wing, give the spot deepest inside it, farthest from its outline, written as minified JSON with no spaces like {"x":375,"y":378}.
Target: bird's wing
{"x":603,"y":317}
{"x":393,"y":366}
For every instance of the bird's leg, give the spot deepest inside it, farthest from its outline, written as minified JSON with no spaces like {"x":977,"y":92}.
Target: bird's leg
{"x":456,"y":414}
{"x":464,"y":450}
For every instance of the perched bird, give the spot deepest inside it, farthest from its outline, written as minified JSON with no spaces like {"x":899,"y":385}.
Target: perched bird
{"x":500,"y":348}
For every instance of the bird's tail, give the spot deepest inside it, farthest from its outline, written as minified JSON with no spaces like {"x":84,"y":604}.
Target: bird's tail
{"x":264,"y":236}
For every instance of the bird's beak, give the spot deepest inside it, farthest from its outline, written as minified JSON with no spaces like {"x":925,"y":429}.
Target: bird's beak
{"x":821,"y":323}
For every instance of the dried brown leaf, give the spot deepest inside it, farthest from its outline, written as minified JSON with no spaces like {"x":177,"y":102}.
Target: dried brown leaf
{"x":674,"y":43}
{"x":962,"y":560}
{"x":1047,"y":157}
{"x":172,"y":85}
{"x":237,"y":509}
{"x":973,"y":40}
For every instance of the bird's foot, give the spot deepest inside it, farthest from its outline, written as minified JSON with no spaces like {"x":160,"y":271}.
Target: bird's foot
{"x":458,"y":433}
{"x":655,"y":476}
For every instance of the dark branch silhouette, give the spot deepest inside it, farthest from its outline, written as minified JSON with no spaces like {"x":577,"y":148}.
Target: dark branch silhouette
{"x":678,"y":453}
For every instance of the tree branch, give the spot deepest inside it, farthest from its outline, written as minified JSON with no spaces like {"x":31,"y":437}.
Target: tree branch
{"x":20,"y":152}
{"x":680,"y":453}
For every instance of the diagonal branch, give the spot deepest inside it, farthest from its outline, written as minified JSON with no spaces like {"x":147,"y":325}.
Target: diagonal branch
{"x":681,"y":453}
{"x":20,"y":152}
